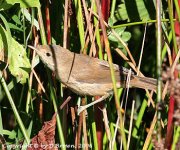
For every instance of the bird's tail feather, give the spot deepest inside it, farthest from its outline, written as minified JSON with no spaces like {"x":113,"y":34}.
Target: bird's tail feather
{"x":143,"y":82}
{"x":135,"y":81}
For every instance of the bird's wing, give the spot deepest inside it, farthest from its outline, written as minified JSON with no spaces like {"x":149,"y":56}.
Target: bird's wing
{"x":92,"y":70}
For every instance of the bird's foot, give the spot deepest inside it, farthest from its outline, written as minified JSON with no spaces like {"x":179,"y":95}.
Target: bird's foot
{"x":82,"y":108}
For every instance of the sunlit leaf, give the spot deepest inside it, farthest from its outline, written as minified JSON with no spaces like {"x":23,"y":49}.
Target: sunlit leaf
{"x":24,"y":3}
{"x":29,"y":18}
{"x":13,"y":26}
{"x":11,"y":134}
{"x":135,"y":10}
{"x":124,"y":35}
{"x":119,"y":32}
{"x":16,"y":19}
{"x":19,"y":64}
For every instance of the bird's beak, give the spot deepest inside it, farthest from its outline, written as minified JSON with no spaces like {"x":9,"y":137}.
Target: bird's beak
{"x":34,"y":48}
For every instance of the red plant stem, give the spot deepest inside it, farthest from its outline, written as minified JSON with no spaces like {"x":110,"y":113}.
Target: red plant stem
{"x":99,"y":122}
{"x":170,"y":124}
{"x":48,"y":27}
{"x":105,"y":7}
{"x":177,"y":23}
{"x":80,"y":125}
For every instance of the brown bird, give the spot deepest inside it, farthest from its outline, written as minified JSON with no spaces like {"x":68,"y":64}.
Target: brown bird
{"x":87,"y":75}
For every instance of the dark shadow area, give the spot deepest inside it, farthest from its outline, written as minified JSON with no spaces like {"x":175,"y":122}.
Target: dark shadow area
{"x":132,"y":10}
{"x":150,"y":8}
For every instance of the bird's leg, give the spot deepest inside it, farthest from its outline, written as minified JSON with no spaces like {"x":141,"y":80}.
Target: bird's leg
{"x":81,"y":108}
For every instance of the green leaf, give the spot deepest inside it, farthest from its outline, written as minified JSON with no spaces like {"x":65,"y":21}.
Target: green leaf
{"x":29,"y":130}
{"x":1,"y":124}
{"x":16,"y":19}
{"x":3,"y":45}
{"x":24,"y":3}
{"x":11,"y":85}
{"x":13,"y":26}
{"x":4,"y":5}
{"x":29,"y":18}
{"x":11,"y":134}
{"x":19,"y":64}
{"x":119,"y":31}
{"x":110,"y":22}
{"x":135,"y":10}
{"x":124,"y":35}
{"x":6,"y":36}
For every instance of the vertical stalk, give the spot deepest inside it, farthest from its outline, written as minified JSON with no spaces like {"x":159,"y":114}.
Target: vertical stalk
{"x":52,"y":92}
{"x":13,"y":106}
{"x":113,"y":5}
{"x":159,"y":62}
{"x":107,"y":47}
{"x":24,"y":32}
{"x":98,"y":37}
{"x":79,"y":16}
{"x":93,"y":128}
{"x":170,"y":10}
{"x":41,"y":25}
{"x":176,"y":137}
{"x":177,"y":8}
{"x":140,"y":116}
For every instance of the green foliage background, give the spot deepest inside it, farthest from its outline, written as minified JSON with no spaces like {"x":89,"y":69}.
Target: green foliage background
{"x":18,"y":94}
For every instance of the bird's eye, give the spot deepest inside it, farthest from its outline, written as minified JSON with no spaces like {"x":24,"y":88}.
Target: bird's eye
{"x":48,"y":54}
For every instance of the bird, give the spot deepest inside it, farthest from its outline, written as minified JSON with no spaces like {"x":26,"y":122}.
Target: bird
{"x":86,"y":75}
